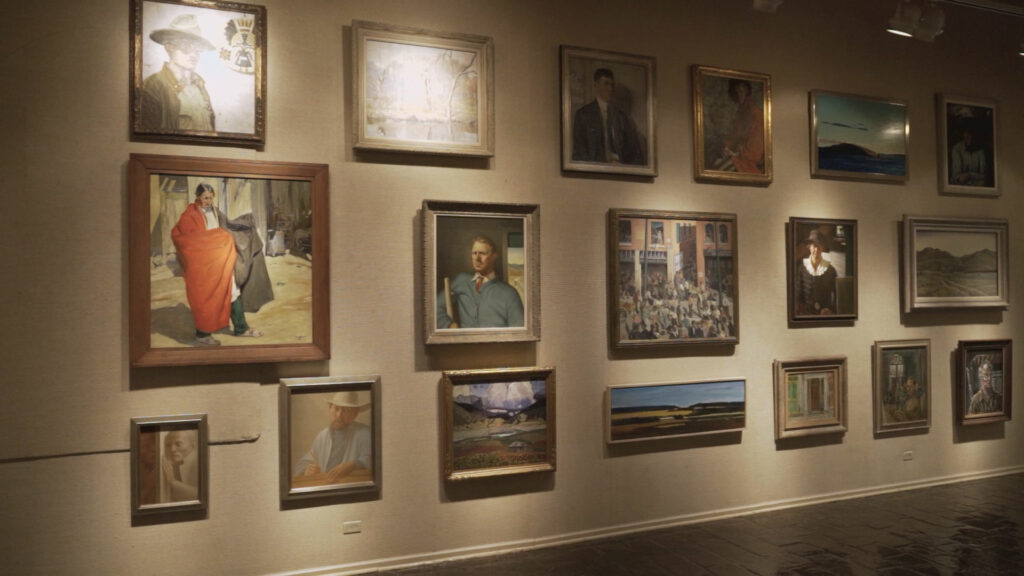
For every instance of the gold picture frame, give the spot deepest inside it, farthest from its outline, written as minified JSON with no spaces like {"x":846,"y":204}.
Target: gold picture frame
{"x":732,"y":119}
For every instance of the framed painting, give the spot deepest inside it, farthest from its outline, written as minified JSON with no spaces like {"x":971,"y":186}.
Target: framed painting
{"x":228,"y":261}
{"x":673,"y":278}
{"x":422,"y":91}
{"x":498,"y":422}
{"x":902,"y":386}
{"x":967,"y":146}
{"x":651,"y":411}
{"x":608,"y":112}
{"x":198,"y":72}
{"x":732,"y":119}
{"x":810,"y":397}
{"x":955,"y":263}
{"x":481,"y":272}
{"x":170,"y":465}
{"x":822,"y":258}
{"x":984,"y":381}
{"x":859,"y":137}
{"x":330,"y":436}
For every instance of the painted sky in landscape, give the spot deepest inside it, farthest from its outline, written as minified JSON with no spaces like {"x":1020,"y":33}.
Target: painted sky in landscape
{"x":678,"y":395}
{"x":875,"y":125}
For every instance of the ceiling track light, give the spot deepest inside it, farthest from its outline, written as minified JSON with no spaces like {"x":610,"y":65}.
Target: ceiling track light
{"x":913,"y":21}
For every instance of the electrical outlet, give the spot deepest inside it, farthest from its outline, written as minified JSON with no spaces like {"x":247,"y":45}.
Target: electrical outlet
{"x":908,"y":455}
{"x":354,"y":527}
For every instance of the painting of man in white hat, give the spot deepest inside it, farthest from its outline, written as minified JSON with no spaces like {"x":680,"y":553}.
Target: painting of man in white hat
{"x":176,"y":96}
{"x":343,"y":450}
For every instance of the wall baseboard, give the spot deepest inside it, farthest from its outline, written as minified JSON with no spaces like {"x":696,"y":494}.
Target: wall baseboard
{"x":411,"y":560}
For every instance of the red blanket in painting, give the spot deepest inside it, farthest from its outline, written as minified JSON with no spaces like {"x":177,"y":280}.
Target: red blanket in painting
{"x":207,"y":260}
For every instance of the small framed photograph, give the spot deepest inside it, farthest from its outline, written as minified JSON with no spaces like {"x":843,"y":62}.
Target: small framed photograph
{"x":228,"y":261}
{"x":732,"y":119}
{"x":498,"y":422}
{"x":822,"y":258}
{"x":859,"y":137}
{"x":608,"y":112}
{"x":422,"y":91}
{"x":673,"y":278}
{"x":984,"y":381}
{"x":902,"y":386}
{"x":955,"y":263}
{"x":170,"y":465}
{"x":481,"y":272}
{"x":810,"y":397}
{"x":667,"y":410}
{"x":330,"y":437}
{"x":198,"y":72}
{"x":967,"y":146}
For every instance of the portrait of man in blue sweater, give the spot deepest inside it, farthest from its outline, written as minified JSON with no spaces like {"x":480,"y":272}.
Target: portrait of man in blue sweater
{"x":479,"y":299}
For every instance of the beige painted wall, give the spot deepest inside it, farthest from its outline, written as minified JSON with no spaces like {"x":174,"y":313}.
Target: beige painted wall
{"x":67,"y":388}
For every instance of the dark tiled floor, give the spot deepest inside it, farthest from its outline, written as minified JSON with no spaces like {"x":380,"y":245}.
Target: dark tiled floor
{"x":966,"y":529}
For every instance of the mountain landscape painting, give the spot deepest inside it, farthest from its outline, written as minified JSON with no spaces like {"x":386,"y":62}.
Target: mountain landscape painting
{"x":956,"y":264}
{"x":500,"y":424}
{"x":858,"y":137}
{"x":666,"y":410}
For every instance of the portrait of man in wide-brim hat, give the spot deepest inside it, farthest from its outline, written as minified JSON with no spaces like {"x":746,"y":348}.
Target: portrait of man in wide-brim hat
{"x":175,"y":98}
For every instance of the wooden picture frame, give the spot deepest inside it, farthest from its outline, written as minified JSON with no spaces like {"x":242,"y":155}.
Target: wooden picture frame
{"x":504,"y":307}
{"x":475,"y":445}
{"x":170,"y":465}
{"x":277,"y":215}
{"x":198,"y":72}
{"x":857,"y":137}
{"x":641,"y":412}
{"x":311,"y":411}
{"x":732,"y":120}
{"x":821,"y":256}
{"x":395,"y":69}
{"x":608,"y":112}
{"x":902,"y":387}
{"x":967,"y":146}
{"x":684,"y":261}
{"x":810,"y":397}
{"x":984,"y":381}
{"x":955,"y":263}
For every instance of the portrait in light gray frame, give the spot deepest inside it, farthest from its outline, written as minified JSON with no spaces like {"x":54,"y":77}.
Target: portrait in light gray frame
{"x":968,"y":154}
{"x":810,"y":397}
{"x":859,"y":137}
{"x":628,"y":109}
{"x":732,"y":126}
{"x":475,"y":445}
{"x":902,"y":391}
{"x":170,"y":465}
{"x":984,"y":381}
{"x":675,"y":285}
{"x":309,"y":410}
{"x":505,"y":308}
{"x":198,"y":72}
{"x":390,"y":61}
{"x":955,"y":263}
{"x":642,"y":412}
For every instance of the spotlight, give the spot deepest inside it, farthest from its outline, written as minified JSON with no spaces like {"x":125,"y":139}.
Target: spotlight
{"x":1021,"y":49}
{"x":904,"y":21}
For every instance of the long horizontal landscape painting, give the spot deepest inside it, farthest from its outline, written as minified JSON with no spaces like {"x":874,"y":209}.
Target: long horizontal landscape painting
{"x":665,"y":410}
{"x":858,"y":137}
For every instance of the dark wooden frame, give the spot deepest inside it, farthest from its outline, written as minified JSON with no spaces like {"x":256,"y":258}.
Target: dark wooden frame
{"x":943,"y":102}
{"x":140,"y":169}
{"x":793,"y":240}
{"x":964,"y":354}
{"x":614,"y":271}
{"x":209,"y":137}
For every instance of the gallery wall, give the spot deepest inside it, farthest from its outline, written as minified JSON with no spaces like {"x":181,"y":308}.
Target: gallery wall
{"x":68,"y":392}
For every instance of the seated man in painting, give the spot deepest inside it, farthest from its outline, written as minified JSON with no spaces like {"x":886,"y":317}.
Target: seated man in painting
{"x":480,"y":299}
{"x":180,"y":467}
{"x":343,"y":447}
